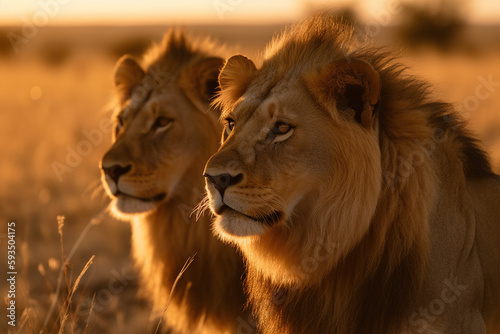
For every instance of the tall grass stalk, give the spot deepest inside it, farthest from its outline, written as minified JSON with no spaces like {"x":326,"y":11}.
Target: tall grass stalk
{"x":66,"y":261}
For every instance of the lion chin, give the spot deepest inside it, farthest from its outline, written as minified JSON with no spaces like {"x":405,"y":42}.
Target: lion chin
{"x":126,"y":207}
{"x":234,"y":224}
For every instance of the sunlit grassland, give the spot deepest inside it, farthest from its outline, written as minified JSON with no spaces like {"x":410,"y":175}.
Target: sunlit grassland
{"x":46,"y":106}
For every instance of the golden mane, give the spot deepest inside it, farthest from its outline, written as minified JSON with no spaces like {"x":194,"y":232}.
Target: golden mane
{"x":177,"y":51}
{"x":426,"y":153}
{"x":164,"y":62}
{"x":206,"y":297}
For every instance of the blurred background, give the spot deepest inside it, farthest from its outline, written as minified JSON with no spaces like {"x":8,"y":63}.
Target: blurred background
{"x":56,"y":62}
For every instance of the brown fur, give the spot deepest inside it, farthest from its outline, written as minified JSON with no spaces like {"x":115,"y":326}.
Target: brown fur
{"x":421,"y":229}
{"x":176,"y":80}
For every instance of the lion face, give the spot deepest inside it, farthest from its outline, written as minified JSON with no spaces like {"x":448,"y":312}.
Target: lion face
{"x":266,"y":165}
{"x":160,"y":130}
{"x":299,"y":159}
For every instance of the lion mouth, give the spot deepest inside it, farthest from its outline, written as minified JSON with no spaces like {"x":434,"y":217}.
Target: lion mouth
{"x":269,"y":219}
{"x":155,"y":198}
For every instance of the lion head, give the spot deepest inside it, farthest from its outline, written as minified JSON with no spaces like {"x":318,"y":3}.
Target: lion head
{"x":299,"y":148}
{"x":162,"y":128}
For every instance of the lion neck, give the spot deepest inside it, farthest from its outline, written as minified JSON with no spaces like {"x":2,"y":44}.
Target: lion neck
{"x":360,"y":294}
{"x":164,"y":241}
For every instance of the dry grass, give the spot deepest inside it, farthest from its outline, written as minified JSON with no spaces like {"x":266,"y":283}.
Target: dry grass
{"x":57,"y":285}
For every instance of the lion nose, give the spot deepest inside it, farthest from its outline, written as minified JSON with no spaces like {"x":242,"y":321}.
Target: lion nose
{"x":222,"y":181}
{"x":115,"y":171}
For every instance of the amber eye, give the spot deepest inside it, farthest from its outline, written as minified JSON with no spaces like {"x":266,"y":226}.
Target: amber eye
{"x":230,"y":123}
{"x":281,"y":128}
{"x":119,"y":124}
{"x":161,"y":123}
{"x":120,"y":120}
{"x":281,"y":131}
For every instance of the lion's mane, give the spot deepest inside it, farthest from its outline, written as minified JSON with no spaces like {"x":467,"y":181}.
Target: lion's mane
{"x":426,"y":153}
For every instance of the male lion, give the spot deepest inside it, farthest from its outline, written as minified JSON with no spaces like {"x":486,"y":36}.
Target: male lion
{"x":361,"y":205}
{"x":153,"y":174}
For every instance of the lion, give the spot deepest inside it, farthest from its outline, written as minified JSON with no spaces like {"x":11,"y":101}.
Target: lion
{"x":361,"y":203}
{"x":153,"y":173}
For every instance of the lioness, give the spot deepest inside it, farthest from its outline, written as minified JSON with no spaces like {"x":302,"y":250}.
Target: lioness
{"x":361,"y":204}
{"x":153,"y":174}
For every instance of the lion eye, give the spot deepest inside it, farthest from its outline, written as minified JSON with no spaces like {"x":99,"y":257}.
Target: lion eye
{"x":230,"y":123}
{"x":161,"y":124}
{"x":121,"y":121}
{"x":281,"y":128}
{"x":281,"y":131}
{"x":119,"y":124}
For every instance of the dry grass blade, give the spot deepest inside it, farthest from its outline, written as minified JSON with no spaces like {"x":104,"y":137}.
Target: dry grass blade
{"x":95,"y":220}
{"x":60,"y":225}
{"x":79,"y":278}
{"x":65,"y":317}
{"x":88,"y":327}
{"x":184,"y":268}
{"x":24,"y":318}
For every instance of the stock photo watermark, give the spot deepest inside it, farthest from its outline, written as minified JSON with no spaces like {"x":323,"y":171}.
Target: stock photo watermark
{"x":90,"y":307}
{"x":364,"y":34}
{"x":11,"y":273}
{"x":483,"y":91}
{"x":222,"y":7}
{"x":322,"y":252}
{"x":94,"y":137}
{"x":75,"y":155}
{"x":422,"y":319}
{"x":47,"y":9}
{"x":308,"y":266}
{"x":103,"y":297}
{"x":248,"y":326}
{"x":407,"y":165}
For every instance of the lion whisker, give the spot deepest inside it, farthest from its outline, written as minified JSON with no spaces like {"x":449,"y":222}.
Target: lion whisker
{"x":95,"y":190}
{"x":201,"y":207}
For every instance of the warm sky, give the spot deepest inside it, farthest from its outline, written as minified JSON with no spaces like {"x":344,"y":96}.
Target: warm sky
{"x":197,"y":11}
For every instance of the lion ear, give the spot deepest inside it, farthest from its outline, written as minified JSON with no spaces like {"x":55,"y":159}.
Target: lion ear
{"x":200,"y":81}
{"x":235,"y":77}
{"x":128,"y":74}
{"x":353,"y":87}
